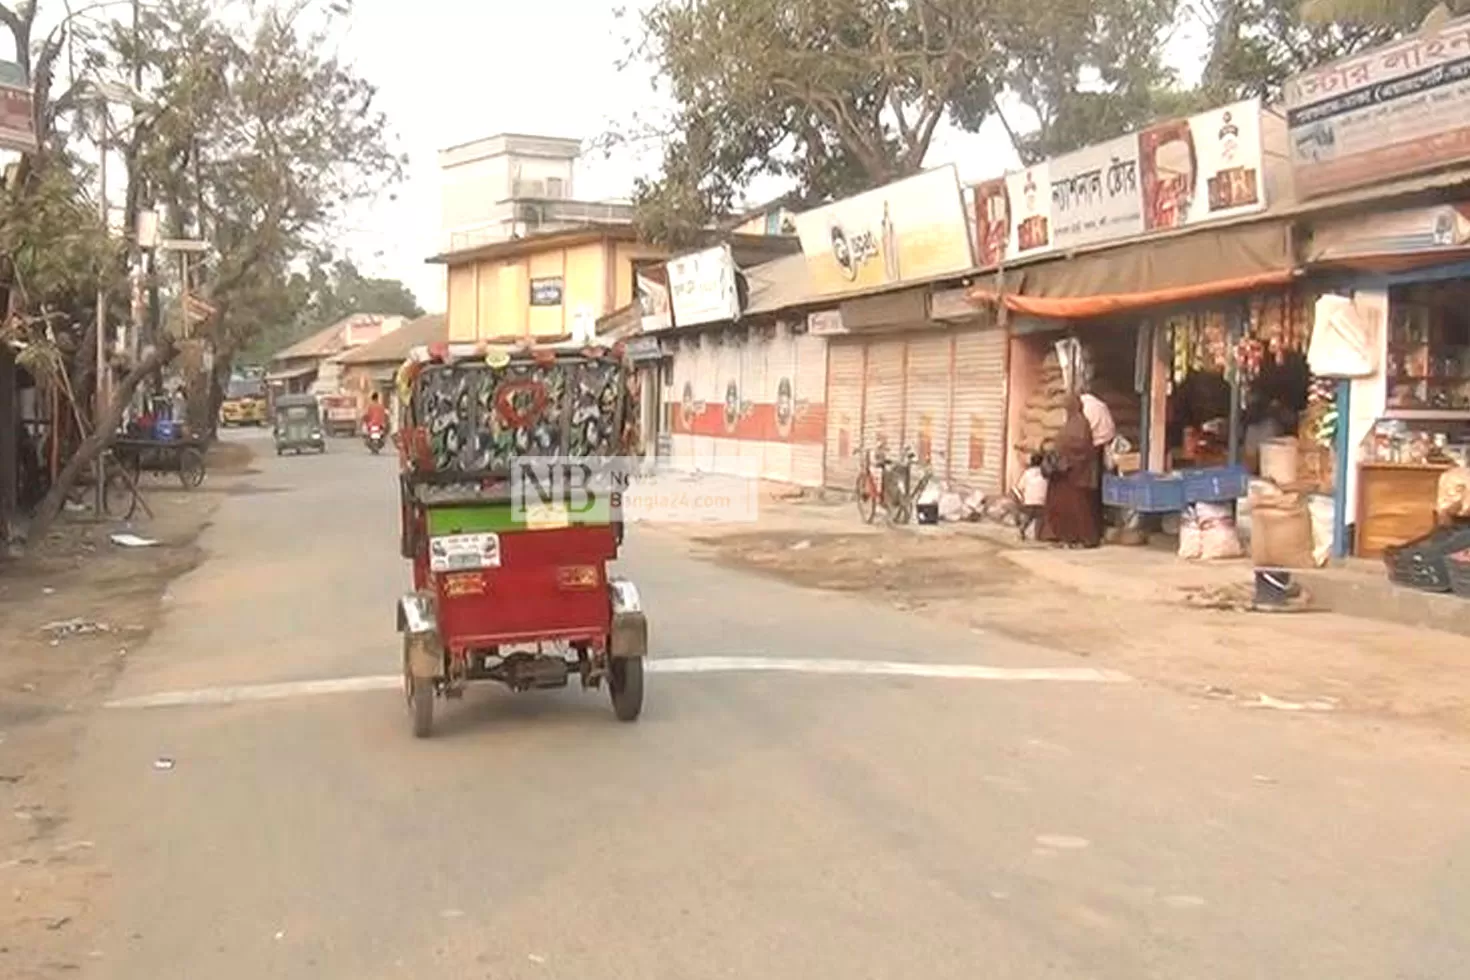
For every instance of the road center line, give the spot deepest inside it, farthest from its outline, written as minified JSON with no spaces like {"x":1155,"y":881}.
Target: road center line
{"x":677,"y":665}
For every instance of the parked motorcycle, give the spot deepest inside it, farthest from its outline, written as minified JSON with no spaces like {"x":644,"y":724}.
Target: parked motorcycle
{"x":374,"y":439}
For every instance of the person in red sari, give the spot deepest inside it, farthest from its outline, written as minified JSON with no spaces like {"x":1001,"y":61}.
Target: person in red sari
{"x":1071,"y":514}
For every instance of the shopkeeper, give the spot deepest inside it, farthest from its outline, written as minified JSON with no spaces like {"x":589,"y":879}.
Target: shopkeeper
{"x":1104,"y":431}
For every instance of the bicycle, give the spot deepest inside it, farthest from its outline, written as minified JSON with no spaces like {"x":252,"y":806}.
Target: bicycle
{"x":895,"y":490}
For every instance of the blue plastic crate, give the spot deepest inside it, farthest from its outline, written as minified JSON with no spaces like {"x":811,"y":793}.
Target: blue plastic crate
{"x":1215,"y":483}
{"x":1146,"y":493}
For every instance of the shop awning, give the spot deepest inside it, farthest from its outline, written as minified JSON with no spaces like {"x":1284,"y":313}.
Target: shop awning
{"x":1151,"y":273}
{"x":291,"y":374}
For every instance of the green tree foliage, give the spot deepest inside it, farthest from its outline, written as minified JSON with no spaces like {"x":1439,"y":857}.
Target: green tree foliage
{"x":1256,"y":45}
{"x":326,"y":293}
{"x":838,"y":95}
{"x":835,"y":96}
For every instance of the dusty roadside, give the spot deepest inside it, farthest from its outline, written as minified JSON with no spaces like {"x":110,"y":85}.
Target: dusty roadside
{"x":69,"y":615}
{"x":1306,"y":662}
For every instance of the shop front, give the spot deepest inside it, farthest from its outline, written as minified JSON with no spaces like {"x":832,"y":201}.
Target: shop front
{"x":921,"y":370}
{"x":1404,"y":281}
{"x":749,"y":399}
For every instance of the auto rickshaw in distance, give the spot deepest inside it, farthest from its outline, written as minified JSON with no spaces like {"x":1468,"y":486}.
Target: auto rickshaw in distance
{"x":244,"y":402}
{"x":508,"y":588}
{"x":298,"y":425}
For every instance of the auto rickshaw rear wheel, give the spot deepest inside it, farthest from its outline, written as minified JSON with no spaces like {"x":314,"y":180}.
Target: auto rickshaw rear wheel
{"x":625,"y":684}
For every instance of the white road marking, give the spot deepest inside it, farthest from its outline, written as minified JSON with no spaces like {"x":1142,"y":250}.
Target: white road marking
{"x":679,"y":665}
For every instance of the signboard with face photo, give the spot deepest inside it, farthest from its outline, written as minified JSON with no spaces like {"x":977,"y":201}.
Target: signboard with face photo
{"x":1171,"y":175}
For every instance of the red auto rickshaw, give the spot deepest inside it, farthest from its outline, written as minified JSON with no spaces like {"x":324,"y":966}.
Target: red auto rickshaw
{"x":509,"y":459}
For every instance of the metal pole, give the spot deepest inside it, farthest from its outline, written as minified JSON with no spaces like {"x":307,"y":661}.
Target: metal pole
{"x":99,"y":409}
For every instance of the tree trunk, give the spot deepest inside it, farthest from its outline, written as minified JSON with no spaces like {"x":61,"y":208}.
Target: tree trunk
{"x":98,"y":442}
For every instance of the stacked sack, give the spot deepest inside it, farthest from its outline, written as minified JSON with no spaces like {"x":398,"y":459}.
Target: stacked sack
{"x":1046,"y":408}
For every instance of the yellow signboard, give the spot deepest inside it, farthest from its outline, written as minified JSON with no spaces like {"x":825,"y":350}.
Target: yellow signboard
{"x":912,"y":230}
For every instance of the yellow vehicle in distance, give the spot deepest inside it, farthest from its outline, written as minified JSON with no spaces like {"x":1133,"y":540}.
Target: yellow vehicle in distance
{"x":244,"y":402}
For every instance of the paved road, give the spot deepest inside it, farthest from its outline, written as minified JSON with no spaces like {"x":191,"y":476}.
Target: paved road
{"x":752,"y":824}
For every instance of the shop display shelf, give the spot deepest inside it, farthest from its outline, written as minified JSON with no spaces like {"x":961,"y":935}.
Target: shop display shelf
{"x":1216,"y":483}
{"x":1146,"y":493}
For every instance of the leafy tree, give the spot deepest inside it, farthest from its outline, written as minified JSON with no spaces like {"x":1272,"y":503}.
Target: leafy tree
{"x":841,"y":95}
{"x":325,"y":294}
{"x":262,"y":139}
{"x":1256,"y":45}
{"x":1400,"y":14}
{"x":251,"y":135}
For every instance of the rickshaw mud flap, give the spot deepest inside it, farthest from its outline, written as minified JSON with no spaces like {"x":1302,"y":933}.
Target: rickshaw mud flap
{"x":628,"y":636}
{"x":416,"y":615}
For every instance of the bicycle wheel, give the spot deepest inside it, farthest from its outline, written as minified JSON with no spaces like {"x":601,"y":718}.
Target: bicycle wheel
{"x":866,"y":496}
{"x":900,"y":508}
{"x":117,"y":496}
{"x":191,"y":468}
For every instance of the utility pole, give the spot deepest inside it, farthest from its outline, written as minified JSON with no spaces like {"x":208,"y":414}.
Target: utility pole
{"x":100,"y":405}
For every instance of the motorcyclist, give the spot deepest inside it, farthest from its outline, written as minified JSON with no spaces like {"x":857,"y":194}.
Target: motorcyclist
{"x":375,"y":416}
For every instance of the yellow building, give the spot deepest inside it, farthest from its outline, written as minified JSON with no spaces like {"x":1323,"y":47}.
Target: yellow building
{"x":539,"y":286}
{"x":525,"y":258}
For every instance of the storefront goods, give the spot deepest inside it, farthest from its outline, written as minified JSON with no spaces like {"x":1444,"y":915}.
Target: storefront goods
{"x":1281,"y":528}
{"x":1046,"y":405}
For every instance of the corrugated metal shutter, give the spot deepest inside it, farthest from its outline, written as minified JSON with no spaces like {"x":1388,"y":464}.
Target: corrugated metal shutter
{"x":844,"y":412}
{"x":927,"y":395}
{"x":977,"y":455}
{"x":883,"y":395}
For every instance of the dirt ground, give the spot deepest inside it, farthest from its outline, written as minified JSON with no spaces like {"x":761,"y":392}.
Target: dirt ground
{"x":1306,"y":661}
{"x":69,"y":614}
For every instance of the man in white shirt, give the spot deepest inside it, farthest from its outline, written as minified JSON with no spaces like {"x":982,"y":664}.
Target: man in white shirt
{"x":1104,"y":431}
{"x":1099,"y":418}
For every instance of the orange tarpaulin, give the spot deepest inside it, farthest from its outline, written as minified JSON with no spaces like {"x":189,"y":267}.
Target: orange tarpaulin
{"x":1083,"y":307}
{"x":1149,"y":273}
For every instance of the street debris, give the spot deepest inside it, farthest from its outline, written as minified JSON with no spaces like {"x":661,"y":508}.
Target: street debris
{"x":802,"y":545}
{"x":57,"y":923}
{"x":132,"y":541}
{"x":536,"y":958}
{"x":1277,"y":704}
{"x":65,"y":628}
{"x":163,"y":763}
{"x":1241,"y":597}
{"x":1063,"y":842}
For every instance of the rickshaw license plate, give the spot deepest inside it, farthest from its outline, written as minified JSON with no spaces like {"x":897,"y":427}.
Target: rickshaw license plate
{"x":464,"y":552}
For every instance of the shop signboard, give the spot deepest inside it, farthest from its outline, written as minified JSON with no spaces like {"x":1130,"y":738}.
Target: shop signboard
{"x":547,"y":291}
{"x":643,"y":348}
{"x":912,"y":230}
{"x":1414,"y":231}
{"x":17,"y":110}
{"x":1389,"y":112}
{"x":825,"y":323}
{"x":1174,"y":174}
{"x":702,"y":287}
{"x":654,"y":302}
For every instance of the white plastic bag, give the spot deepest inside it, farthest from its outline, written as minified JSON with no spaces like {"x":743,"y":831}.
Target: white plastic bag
{"x":1190,"y":544}
{"x":1323,"y":511}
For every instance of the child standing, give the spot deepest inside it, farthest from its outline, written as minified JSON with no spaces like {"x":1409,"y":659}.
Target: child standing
{"x":1031,"y":489}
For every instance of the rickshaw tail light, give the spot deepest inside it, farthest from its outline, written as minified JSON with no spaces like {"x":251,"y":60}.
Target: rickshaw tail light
{"x":577,"y":577}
